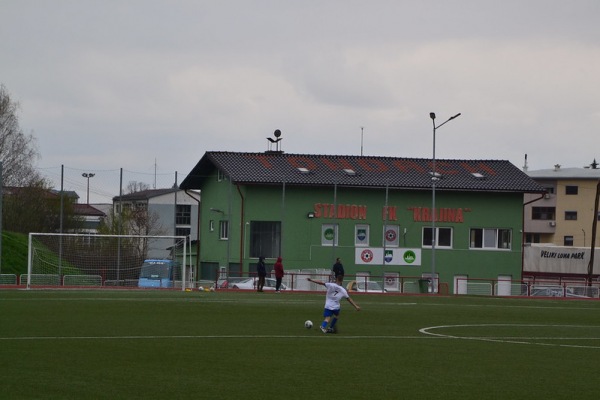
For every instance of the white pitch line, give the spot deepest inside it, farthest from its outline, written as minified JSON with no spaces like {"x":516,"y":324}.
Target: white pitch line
{"x":319,"y":336}
{"x":520,"y":340}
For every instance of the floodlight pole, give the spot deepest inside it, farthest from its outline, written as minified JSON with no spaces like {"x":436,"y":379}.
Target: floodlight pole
{"x":434,"y":178}
{"x":88,"y":175}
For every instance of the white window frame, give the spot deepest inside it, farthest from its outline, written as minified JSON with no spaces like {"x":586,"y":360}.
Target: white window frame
{"x":490,"y":239}
{"x":437,"y":238}
{"x":224,"y":230}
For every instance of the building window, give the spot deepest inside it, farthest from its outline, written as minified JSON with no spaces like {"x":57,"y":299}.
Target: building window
{"x":490,"y":238}
{"x":570,"y":215}
{"x":568,"y":241}
{"x":220,"y":175}
{"x":211,"y":225}
{"x":543,"y":213}
{"x":265,"y":239}
{"x":329,"y":235}
{"x":361,"y":235}
{"x":570,"y":189}
{"x":223,"y":230}
{"x":443,"y":240}
{"x":182,"y":231}
{"x":532,"y":238}
{"x":183,"y":214}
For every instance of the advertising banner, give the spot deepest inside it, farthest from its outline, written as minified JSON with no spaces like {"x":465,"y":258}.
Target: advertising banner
{"x":558,"y":259}
{"x":394,"y":256}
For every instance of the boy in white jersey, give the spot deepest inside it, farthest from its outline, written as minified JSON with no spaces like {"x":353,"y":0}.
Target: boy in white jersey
{"x":335,"y":292}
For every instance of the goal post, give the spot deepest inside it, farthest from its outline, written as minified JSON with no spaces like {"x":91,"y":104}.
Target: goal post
{"x":107,"y":261}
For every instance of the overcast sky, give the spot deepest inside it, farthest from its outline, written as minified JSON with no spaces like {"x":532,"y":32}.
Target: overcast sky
{"x":151,"y":85}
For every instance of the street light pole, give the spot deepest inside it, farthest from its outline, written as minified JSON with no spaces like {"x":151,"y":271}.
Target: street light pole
{"x":88,"y":175}
{"x":434,"y":178}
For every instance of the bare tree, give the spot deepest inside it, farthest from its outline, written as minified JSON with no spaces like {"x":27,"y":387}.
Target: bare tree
{"x":28,"y":203}
{"x":134,"y":187}
{"x":35,"y":208}
{"x":132,"y":221}
{"x":18,"y":150}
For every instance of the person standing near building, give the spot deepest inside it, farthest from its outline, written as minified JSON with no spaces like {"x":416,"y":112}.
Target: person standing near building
{"x":338,"y":270}
{"x":261,"y":271}
{"x":331,"y":313}
{"x":278,"y":274}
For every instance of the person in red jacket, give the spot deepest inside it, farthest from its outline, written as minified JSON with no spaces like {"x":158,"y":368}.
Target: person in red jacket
{"x":278,"y":274}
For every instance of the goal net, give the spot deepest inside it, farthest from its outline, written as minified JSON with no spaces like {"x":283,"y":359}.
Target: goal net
{"x":100,"y":261}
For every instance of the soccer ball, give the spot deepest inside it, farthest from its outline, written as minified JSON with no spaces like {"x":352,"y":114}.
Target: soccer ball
{"x":308,"y":324}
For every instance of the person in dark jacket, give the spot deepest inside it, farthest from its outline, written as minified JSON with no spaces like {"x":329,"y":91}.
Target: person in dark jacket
{"x":261,"y":271}
{"x":338,"y":269}
{"x":278,"y":274}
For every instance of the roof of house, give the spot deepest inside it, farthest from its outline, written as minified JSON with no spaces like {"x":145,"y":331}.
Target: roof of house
{"x":565,"y":173}
{"x":274,"y":167}
{"x":68,"y":193}
{"x":48,"y":193}
{"x":86,"y":209}
{"x":145,"y":194}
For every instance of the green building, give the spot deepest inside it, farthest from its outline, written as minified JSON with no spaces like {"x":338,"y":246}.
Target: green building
{"x":375,"y":213}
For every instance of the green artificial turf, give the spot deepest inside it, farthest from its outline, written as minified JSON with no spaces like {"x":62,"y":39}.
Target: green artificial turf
{"x":233,"y":345}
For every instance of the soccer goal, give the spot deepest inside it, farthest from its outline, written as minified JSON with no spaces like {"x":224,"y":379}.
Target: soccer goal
{"x":105,"y":261}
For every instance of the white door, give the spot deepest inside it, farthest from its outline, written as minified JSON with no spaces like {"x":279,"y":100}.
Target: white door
{"x":460,"y":284}
{"x":504,"y":285}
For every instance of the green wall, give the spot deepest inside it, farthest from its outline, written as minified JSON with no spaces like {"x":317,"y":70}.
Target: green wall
{"x":301,"y":239}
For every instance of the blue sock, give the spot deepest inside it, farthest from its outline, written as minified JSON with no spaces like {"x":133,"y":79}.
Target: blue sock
{"x":333,"y":322}
{"x":324,"y":324}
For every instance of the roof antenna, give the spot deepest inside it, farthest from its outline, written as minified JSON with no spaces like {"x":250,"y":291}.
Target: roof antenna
{"x":362,"y":128}
{"x":275,"y":141}
{"x":525,"y":167}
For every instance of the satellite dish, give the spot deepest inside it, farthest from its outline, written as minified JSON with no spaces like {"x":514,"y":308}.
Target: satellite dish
{"x":276,"y":141}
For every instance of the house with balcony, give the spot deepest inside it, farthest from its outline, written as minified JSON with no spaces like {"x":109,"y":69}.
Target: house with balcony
{"x":560,"y":225}
{"x":563,"y":216}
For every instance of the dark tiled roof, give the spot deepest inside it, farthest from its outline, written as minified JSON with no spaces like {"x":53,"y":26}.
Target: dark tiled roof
{"x":68,"y":193}
{"x":327,"y":170}
{"x":144,"y":194}
{"x":86,"y":209}
{"x":48,"y":193}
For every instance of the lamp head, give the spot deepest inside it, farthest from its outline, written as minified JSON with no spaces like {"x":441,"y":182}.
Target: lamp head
{"x":432,"y":115}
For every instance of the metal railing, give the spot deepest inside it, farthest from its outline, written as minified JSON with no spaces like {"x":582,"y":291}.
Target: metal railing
{"x":529,"y":288}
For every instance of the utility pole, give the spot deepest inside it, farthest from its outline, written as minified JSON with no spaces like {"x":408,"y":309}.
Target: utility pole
{"x":593,"y":247}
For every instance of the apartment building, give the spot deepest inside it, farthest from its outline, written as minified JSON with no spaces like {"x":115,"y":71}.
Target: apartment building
{"x":564,"y":215}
